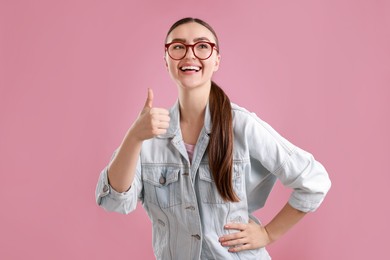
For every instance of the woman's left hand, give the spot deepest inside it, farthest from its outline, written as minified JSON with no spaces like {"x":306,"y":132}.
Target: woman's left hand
{"x":249,"y":236}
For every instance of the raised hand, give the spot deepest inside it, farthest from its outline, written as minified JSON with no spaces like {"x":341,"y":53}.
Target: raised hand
{"x":151,"y":121}
{"x":249,"y":236}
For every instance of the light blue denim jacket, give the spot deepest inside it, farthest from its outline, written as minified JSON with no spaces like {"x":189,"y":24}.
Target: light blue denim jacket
{"x":181,"y":199}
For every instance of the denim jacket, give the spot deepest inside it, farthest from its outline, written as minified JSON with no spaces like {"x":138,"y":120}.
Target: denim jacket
{"x":187,"y":213}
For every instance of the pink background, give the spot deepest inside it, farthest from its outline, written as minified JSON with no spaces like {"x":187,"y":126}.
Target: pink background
{"x":74,"y":75}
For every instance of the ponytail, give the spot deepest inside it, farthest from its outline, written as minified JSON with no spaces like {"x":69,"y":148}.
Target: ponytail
{"x":221,"y":143}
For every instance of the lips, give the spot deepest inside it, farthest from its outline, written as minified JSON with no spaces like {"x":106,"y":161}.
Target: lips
{"x":190,"y":68}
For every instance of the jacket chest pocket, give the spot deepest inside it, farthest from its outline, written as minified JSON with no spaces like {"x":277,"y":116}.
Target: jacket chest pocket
{"x":162,"y":186}
{"x":208,"y":189}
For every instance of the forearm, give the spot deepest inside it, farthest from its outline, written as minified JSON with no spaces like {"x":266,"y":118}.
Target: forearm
{"x":121,"y":170}
{"x":283,"y":221}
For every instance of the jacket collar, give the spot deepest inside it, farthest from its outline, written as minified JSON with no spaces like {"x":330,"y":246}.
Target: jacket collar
{"x":174,"y":124}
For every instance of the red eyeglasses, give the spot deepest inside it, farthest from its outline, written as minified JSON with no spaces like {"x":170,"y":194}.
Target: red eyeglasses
{"x":201,"y":50}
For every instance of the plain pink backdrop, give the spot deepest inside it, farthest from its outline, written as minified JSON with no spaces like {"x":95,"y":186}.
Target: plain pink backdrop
{"x":74,"y":75}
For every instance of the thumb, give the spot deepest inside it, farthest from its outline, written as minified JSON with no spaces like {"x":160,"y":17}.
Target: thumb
{"x":149,"y":100}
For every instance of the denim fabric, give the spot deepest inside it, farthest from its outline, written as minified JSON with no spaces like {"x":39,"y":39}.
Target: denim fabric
{"x":181,"y":198}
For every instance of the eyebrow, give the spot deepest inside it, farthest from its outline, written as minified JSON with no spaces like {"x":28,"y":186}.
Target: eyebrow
{"x":195,"y":40}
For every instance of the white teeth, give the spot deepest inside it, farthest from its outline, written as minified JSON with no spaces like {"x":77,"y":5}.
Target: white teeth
{"x":190,"y":68}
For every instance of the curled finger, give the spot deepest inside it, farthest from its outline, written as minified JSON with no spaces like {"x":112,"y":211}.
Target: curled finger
{"x":239,"y":248}
{"x":162,"y":125}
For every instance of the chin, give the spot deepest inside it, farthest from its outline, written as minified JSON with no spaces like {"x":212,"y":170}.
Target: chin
{"x":192,"y":85}
{"x":189,"y":85}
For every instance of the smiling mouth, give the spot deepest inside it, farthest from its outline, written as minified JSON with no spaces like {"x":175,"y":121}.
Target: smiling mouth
{"x":190,"y":68}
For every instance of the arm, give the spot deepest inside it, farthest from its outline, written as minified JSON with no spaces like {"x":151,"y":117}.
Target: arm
{"x":253,"y":235}
{"x":121,"y":170}
{"x":150,"y":123}
{"x":113,"y":191}
{"x":295,"y":168}
{"x":283,"y":221}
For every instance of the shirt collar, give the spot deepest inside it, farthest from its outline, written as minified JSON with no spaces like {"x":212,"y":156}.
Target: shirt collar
{"x":174,"y":124}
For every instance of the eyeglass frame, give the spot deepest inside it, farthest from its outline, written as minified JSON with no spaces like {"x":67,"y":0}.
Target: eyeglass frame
{"x":213,"y":46}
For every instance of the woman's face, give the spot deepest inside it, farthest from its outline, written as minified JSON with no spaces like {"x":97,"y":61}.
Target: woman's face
{"x":190,"y":33}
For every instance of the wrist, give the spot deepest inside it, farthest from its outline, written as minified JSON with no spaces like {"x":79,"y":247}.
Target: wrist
{"x":271,"y":237}
{"x":132,"y":137}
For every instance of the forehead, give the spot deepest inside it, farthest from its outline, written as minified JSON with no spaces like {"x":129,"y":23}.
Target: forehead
{"x":190,"y":31}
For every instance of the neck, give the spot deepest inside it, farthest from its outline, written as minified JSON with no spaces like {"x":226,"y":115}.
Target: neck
{"x":193,"y":103}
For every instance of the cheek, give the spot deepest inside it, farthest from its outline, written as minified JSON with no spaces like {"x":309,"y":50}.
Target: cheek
{"x":171,"y":66}
{"x":211,"y":66}
{"x":212,"y":63}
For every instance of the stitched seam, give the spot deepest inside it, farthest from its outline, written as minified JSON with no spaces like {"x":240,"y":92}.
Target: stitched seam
{"x":259,"y":121}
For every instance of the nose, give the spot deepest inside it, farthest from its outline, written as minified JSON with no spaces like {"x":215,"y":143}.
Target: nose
{"x":190,"y":53}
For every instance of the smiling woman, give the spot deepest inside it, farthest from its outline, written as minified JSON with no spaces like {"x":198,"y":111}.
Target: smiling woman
{"x":202,"y":167}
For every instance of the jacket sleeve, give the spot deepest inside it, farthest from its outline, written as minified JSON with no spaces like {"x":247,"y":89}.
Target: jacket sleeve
{"x":294,"y":167}
{"x":111,"y":200}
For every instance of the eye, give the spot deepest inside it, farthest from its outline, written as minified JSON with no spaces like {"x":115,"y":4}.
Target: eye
{"x":177,"y":46}
{"x":203,"y":45}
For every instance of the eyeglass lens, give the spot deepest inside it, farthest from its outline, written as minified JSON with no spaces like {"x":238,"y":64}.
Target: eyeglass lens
{"x":202,"y":50}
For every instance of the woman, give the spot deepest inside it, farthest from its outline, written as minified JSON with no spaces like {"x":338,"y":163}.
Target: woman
{"x":201,"y":168}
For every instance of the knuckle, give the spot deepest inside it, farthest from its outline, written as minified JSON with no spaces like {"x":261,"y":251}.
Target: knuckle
{"x":235,"y":249}
{"x":153,"y":117}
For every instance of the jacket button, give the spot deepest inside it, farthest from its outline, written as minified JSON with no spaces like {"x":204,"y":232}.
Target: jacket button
{"x":196,"y":236}
{"x":105,"y":188}
{"x":162,"y":180}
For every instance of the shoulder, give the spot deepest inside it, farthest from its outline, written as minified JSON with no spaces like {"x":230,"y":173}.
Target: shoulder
{"x":241,"y":113}
{"x":236,"y":109}
{"x":245,"y":120}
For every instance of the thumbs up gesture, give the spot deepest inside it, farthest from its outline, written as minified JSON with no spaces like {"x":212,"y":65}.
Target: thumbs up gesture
{"x":152,"y":121}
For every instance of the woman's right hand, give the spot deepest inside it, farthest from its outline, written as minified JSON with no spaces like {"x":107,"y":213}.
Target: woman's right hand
{"x":151,"y":121}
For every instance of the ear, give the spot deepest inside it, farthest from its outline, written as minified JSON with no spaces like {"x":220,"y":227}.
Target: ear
{"x":166,"y":63}
{"x":217,"y":61}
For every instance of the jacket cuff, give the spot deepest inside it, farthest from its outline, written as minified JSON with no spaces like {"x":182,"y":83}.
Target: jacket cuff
{"x":302,"y":203}
{"x":104,"y":190}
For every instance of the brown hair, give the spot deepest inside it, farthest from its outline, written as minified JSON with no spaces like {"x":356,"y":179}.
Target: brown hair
{"x":220,"y":148}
